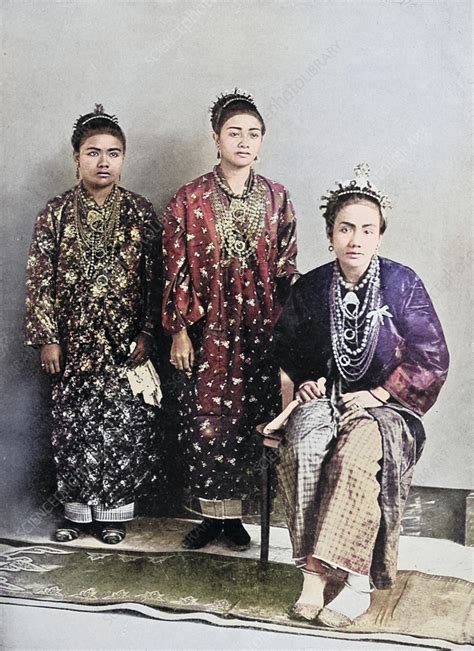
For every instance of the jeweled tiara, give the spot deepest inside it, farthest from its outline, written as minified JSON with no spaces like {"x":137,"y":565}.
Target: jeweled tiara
{"x":225,"y":99}
{"x":360,"y":184}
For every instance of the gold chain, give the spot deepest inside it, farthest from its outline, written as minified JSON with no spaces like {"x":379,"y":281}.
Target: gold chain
{"x":240,"y":225}
{"x":95,"y":229}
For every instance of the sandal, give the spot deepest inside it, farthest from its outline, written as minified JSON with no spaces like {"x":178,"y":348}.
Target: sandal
{"x":69,"y":531}
{"x":111,"y":533}
{"x":304,"y":612}
{"x":332,"y":618}
{"x":314,"y":584}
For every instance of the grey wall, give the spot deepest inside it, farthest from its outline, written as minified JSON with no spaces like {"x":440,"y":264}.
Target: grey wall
{"x":338,"y":82}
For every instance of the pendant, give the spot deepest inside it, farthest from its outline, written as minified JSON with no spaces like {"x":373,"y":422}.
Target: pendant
{"x":239,"y":246}
{"x":344,"y":360}
{"x":237,"y":210}
{"x":350,"y":305}
{"x":94,"y":216}
{"x":351,"y":298}
{"x":99,"y":253}
{"x":102,"y":281}
{"x":349,"y":334}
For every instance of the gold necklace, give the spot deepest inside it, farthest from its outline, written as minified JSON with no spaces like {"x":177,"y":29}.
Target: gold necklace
{"x":239,"y":225}
{"x":225,"y":187}
{"x":95,"y":228}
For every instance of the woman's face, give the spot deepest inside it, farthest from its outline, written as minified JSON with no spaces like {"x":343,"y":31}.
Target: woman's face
{"x":356,"y":236}
{"x":240,"y":140}
{"x":100,"y":161}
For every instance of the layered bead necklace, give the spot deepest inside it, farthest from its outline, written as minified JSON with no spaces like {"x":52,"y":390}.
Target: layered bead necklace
{"x":355,"y":327}
{"x":95,"y":228}
{"x":239,"y":225}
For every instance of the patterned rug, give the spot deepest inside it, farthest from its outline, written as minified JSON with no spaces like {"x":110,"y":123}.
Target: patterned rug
{"x":421,"y":606}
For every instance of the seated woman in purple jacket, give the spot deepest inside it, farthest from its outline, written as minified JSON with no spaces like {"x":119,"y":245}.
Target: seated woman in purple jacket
{"x":362,"y":343}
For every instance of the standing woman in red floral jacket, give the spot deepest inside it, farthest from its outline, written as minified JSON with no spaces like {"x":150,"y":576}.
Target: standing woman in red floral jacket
{"x":230,"y":248}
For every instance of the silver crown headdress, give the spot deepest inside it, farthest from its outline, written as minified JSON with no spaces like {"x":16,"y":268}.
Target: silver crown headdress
{"x":360,"y":184}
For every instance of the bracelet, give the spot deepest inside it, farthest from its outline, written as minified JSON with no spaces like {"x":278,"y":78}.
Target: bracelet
{"x":145,"y":332}
{"x":382,"y":402}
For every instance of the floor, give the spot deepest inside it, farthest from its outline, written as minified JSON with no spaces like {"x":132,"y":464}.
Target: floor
{"x":30,"y":627}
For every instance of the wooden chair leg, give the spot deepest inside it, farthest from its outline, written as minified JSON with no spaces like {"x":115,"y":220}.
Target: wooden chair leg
{"x":266,"y":478}
{"x":265,"y":510}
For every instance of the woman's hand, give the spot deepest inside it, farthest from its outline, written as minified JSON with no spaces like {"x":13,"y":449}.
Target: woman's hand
{"x":51,"y":357}
{"x":182,"y":352}
{"x":311,"y":390}
{"x":365,"y":399}
{"x":141,"y":352}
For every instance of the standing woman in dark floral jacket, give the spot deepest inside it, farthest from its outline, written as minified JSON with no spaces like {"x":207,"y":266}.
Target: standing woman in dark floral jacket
{"x":93,"y":295}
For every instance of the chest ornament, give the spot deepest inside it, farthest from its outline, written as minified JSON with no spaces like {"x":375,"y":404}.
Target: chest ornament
{"x":96,"y":233}
{"x":239,"y":220}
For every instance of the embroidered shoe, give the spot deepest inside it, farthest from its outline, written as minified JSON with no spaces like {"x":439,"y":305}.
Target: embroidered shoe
{"x":111,"y":533}
{"x":69,"y":531}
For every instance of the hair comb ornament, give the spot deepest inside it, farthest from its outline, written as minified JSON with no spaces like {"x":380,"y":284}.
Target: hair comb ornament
{"x":225,"y":99}
{"x":97,"y":113}
{"x":360,"y":184}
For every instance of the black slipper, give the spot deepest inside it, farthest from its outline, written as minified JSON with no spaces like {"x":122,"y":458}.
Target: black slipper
{"x":202,"y":534}
{"x":234,"y":532}
{"x":110,"y":533}
{"x":69,"y":531}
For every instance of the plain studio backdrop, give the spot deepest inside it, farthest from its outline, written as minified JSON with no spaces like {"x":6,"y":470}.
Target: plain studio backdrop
{"x":339,"y":83}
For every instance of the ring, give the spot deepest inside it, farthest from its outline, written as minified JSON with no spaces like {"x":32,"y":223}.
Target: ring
{"x":355,"y":406}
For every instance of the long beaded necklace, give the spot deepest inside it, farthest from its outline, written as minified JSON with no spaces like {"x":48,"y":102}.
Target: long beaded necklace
{"x":239,"y":225}
{"x":355,"y":327}
{"x":96,"y":227}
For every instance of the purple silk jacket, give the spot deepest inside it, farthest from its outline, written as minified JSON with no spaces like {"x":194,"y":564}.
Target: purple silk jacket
{"x":410,"y":361}
{"x":411,"y":358}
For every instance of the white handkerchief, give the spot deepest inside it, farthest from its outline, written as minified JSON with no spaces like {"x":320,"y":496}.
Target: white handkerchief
{"x":144,"y":379}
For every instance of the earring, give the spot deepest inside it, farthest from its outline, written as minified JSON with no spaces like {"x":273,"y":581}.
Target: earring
{"x":78,"y":173}
{"x":218,"y":154}
{"x":256,"y":159}
{"x":330,"y":248}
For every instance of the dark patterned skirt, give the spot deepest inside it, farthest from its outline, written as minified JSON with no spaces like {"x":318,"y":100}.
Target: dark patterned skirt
{"x":106,"y":441}
{"x":222,"y":453}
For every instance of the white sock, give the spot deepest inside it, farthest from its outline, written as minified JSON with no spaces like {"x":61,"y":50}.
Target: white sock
{"x":313,"y":589}
{"x":354,"y":598}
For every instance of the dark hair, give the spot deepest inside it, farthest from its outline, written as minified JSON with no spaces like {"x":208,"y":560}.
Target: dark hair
{"x":344,"y":200}
{"x":96,"y":123}
{"x":232,"y":104}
